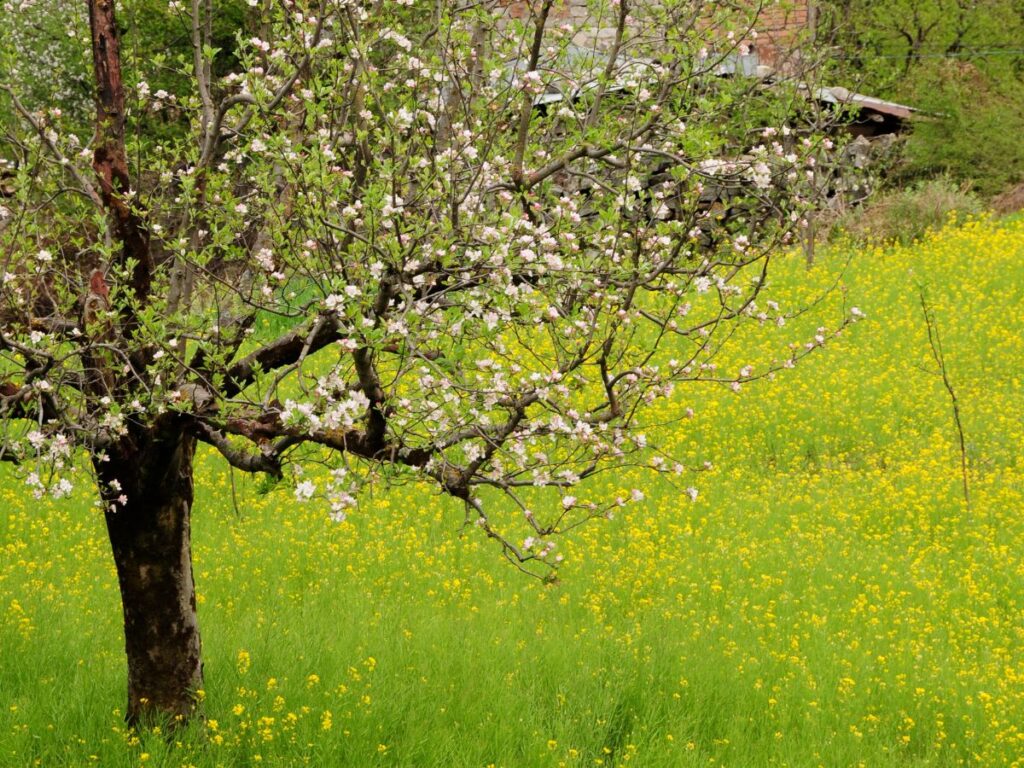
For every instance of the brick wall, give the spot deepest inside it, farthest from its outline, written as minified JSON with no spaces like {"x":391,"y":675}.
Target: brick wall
{"x":779,"y":27}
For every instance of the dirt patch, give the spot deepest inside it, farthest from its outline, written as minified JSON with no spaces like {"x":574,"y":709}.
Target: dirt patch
{"x":1010,"y":201}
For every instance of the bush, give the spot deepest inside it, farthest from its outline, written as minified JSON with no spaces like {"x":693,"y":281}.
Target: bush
{"x":907,"y":214}
{"x":974,"y":133}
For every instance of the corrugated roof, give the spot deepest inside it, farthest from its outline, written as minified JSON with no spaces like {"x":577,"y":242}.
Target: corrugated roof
{"x":836,"y":94}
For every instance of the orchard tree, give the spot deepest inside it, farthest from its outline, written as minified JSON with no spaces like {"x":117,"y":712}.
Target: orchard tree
{"x":409,"y":240}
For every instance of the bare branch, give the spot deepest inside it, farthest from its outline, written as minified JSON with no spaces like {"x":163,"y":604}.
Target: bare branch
{"x":285,"y":350}
{"x":935,"y":342}
{"x":252,"y":462}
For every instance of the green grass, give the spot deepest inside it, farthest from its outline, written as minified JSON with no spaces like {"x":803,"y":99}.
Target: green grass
{"x":828,"y":600}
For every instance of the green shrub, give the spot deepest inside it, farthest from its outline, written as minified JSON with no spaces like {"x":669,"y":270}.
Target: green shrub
{"x":973,"y":131}
{"x":907,"y":214}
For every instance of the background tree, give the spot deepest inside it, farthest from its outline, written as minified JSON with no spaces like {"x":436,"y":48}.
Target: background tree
{"x":375,"y":248}
{"x":887,"y":41}
{"x":960,"y":61}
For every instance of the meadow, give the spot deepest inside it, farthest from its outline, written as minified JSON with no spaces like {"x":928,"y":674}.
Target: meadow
{"x":829,"y":599}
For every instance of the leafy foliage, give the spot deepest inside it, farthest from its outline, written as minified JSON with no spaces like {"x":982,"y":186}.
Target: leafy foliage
{"x":46,"y":51}
{"x":887,"y":42}
{"x":973,"y":135}
{"x":959,"y":61}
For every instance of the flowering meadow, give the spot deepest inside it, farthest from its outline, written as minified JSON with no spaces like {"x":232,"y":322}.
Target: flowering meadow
{"x":819,"y":595}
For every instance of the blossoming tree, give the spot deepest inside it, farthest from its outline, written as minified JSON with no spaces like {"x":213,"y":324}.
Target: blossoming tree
{"x":411,"y":240}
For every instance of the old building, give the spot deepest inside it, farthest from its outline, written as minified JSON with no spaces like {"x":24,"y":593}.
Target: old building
{"x":780,"y":24}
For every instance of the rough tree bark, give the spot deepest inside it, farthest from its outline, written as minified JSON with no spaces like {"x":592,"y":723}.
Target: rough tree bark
{"x":145,"y":478}
{"x":151,"y":544}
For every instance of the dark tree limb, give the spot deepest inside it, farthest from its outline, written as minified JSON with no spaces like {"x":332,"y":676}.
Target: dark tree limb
{"x":526,"y":110}
{"x":282,"y":351}
{"x":353,"y":441}
{"x":247,"y":461}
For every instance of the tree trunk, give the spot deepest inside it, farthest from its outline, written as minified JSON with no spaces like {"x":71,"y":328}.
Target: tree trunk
{"x":150,"y":537}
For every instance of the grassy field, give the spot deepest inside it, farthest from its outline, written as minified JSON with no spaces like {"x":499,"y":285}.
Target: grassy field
{"x":829,"y":599}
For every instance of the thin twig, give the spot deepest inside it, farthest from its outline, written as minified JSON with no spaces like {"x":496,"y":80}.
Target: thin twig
{"x":935,"y":341}
{"x":86,"y":187}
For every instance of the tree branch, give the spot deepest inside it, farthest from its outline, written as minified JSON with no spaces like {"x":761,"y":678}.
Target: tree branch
{"x":935,"y":342}
{"x":87,"y":188}
{"x":251,"y":462}
{"x":284,"y":350}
